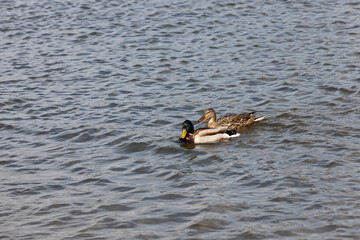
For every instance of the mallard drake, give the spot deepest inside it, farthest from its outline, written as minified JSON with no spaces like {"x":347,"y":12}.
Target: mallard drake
{"x":204,"y":135}
{"x":233,"y":122}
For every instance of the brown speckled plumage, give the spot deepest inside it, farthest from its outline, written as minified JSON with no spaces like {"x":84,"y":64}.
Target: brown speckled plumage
{"x":234,"y":122}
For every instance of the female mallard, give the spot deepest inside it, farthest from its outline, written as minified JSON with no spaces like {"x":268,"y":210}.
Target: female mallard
{"x":204,"y":135}
{"x":233,"y":122}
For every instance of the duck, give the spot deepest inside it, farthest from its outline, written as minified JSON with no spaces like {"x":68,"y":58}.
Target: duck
{"x":204,"y":135}
{"x":235,"y":122}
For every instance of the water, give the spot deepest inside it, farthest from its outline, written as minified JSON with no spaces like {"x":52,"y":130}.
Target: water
{"x":93,"y":94}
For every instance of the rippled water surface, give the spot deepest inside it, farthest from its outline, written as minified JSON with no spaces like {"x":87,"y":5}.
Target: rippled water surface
{"x":93,"y":94}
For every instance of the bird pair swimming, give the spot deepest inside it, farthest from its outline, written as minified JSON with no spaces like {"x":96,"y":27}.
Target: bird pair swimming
{"x":223,"y":128}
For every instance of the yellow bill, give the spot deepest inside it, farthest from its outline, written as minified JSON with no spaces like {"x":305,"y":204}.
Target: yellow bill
{"x":183,"y":135}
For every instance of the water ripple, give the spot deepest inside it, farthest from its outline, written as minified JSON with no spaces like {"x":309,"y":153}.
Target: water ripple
{"x":93,"y":94}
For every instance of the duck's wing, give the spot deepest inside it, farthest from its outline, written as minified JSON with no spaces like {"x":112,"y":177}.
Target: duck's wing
{"x":237,"y":119}
{"x":202,"y":132}
{"x":211,"y":138}
{"x":211,"y":135}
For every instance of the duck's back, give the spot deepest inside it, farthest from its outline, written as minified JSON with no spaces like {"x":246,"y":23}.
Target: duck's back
{"x":236,"y":121}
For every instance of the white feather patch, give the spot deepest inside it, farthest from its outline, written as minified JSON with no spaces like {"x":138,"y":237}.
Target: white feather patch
{"x":235,"y":135}
{"x":259,"y":119}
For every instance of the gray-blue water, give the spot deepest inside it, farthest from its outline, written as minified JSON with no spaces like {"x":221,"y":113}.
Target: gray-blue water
{"x":93,"y":94}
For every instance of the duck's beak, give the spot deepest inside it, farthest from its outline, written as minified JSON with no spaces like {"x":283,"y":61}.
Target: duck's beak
{"x":183,"y":135}
{"x":203,"y":118}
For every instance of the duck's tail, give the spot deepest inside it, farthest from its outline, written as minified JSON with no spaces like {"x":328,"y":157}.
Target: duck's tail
{"x":232,"y":133}
{"x":235,"y":135}
{"x":259,"y":119}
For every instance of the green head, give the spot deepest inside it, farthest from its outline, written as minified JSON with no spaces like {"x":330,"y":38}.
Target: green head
{"x":186,"y":129}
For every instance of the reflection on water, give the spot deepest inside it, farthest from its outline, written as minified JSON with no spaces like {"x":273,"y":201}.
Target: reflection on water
{"x":93,"y":94}
{"x":208,"y":146}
